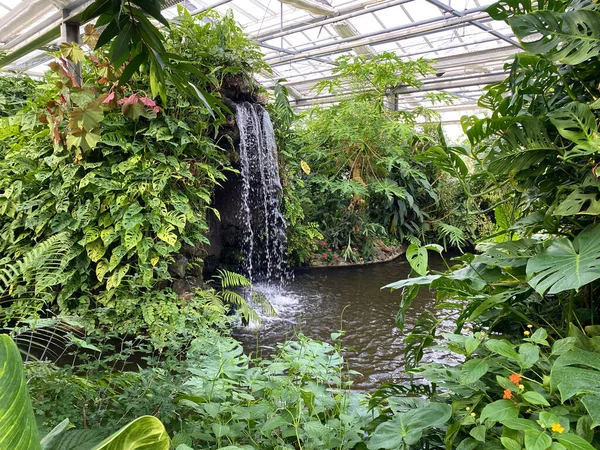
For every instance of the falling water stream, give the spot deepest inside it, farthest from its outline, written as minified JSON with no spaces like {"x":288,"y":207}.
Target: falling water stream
{"x":264,"y":225}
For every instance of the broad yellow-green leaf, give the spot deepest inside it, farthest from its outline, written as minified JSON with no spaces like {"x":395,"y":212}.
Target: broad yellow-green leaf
{"x":18,"y":429}
{"x":87,"y":118}
{"x":132,"y":237}
{"x":144,"y":433}
{"x":95,"y":250}
{"x":72,"y":51}
{"x":417,"y":258}
{"x":164,"y":234}
{"x":115,"y":279}
{"x":101,"y":269}
{"x":87,"y":140}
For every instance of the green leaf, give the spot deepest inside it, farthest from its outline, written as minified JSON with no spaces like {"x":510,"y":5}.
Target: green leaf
{"x":95,"y":250}
{"x":535,"y":398}
{"x":87,"y":118}
{"x":592,"y":405}
{"x":538,"y":337}
{"x":574,"y":203}
{"x":407,"y":428}
{"x":577,"y":123}
{"x":146,"y":432}
{"x":18,"y":429}
{"x":577,"y":373}
{"x":566,"y":265}
{"x":573,"y":442}
{"x":114,"y":281}
{"x":478,"y":432}
{"x":473,"y":370}
{"x":571,"y":37}
{"x":537,"y":440}
{"x":417,"y":258}
{"x":499,"y":411}
{"x":516,"y":423}
{"x":529,"y":354}
{"x":510,"y":444}
{"x":72,"y":51}
{"x":502,"y":347}
{"x":83,"y":139}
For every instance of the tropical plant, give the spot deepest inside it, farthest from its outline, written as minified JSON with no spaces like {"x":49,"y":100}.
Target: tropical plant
{"x":19,"y":428}
{"x":537,"y":153}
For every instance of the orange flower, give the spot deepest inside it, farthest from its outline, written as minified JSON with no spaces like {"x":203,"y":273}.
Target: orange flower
{"x":507,"y":393}
{"x":515,"y":378}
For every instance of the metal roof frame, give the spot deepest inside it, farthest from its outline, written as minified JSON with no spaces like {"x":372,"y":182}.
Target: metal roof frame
{"x":302,"y":38}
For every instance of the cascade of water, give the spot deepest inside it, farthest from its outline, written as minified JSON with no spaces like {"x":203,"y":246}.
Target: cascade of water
{"x":264,"y":225}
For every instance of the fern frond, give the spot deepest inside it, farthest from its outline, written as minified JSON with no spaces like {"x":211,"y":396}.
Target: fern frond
{"x":263,"y":302}
{"x":232,"y":279}
{"x":454,"y":235}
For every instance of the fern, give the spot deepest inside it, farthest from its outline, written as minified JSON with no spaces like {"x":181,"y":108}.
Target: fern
{"x":42,"y":265}
{"x":232,"y":279}
{"x":235,"y":280}
{"x":453,"y":234}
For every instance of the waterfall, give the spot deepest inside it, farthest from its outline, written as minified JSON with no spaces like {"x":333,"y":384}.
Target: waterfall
{"x":263,"y":246}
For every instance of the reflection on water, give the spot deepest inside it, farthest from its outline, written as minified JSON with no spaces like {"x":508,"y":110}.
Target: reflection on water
{"x":322,"y":301}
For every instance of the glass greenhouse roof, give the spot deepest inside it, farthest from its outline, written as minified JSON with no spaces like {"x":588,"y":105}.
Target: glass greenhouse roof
{"x":302,"y":38}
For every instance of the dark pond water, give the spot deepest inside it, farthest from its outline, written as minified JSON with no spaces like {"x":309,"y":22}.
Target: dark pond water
{"x":322,"y":301}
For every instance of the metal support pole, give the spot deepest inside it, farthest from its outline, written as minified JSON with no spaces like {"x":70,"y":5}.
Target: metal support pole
{"x":69,"y":32}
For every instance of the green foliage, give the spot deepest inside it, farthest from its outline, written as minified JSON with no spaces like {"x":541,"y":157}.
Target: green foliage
{"x":18,"y":429}
{"x":135,"y":40}
{"x":14,"y":92}
{"x":536,"y":154}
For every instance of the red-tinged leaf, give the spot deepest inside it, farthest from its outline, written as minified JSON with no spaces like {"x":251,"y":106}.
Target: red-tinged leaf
{"x":56,"y":135}
{"x":103,"y":80}
{"x":110,"y":97}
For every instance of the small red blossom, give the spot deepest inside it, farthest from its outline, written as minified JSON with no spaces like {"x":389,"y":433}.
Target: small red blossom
{"x":324,"y":255}
{"x":323,"y":244}
{"x":515,"y":378}
{"x":335,"y":256}
{"x":328,"y":249}
{"x":507,"y":394}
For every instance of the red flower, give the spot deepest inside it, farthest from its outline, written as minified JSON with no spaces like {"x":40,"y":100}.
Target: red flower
{"x":335,"y":256}
{"x":324,"y":255}
{"x":515,"y":378}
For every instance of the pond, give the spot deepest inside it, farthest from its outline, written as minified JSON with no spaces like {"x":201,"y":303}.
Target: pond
{"x":319,"y":302}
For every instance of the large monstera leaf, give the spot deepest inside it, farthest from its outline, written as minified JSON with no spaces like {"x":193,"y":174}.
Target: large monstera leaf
{"x":577,"y":123}
{"x":571,"y":37}
{"x":18,"y":429}
{"x":565,"y":264}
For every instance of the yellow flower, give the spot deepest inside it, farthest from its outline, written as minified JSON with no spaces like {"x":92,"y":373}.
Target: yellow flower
{"x":557,"y":428}
{"x":473,"y":415}
{"x":521,"y":387}
{"x":529,"y":326}
{"x":468,"y":408}
{"x":526,"y":333}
